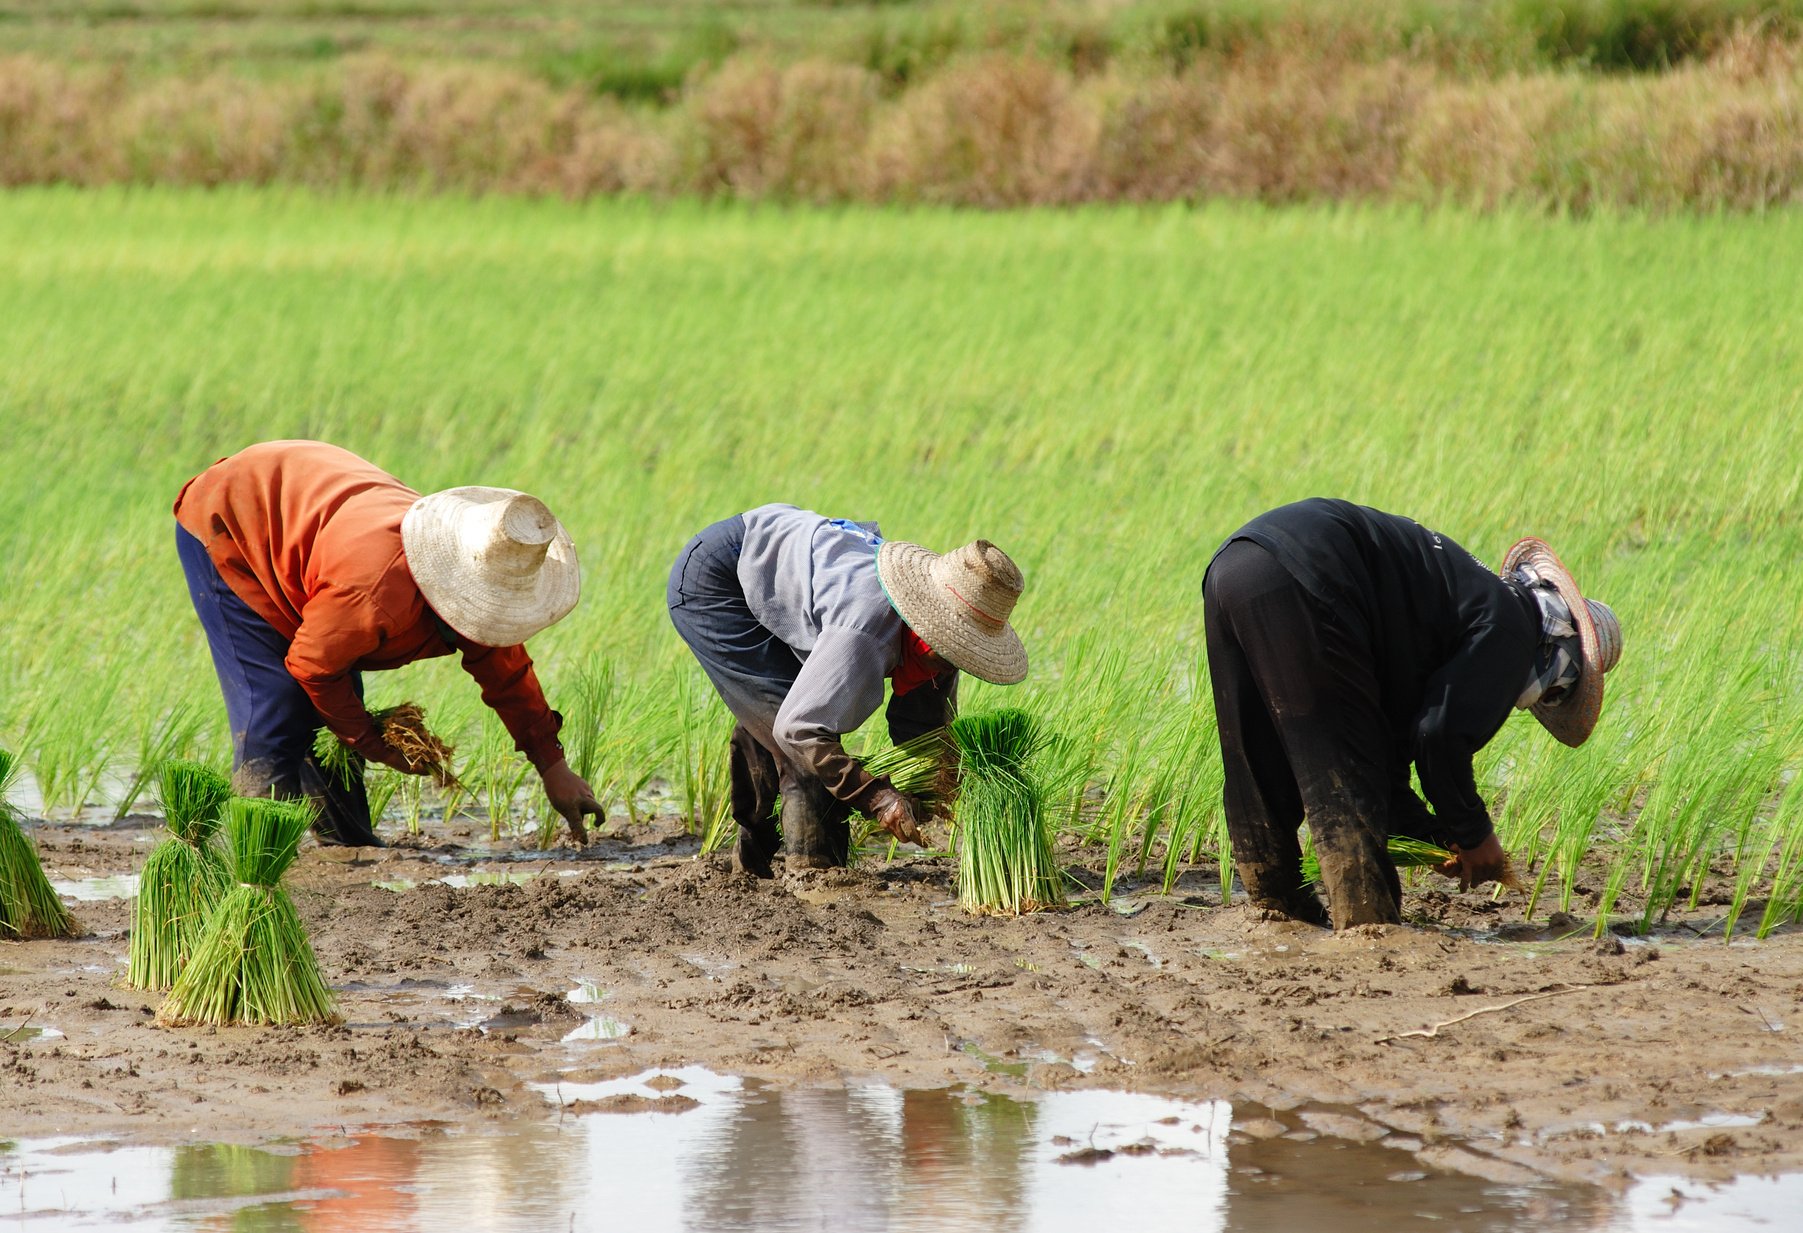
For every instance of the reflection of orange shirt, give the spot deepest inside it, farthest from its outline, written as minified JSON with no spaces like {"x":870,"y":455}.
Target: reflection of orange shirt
{"x":371,"y":1179}
{"x":309,"y":535}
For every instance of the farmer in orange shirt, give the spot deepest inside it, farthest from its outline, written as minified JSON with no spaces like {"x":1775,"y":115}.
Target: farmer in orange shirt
{"x":309,"y":566}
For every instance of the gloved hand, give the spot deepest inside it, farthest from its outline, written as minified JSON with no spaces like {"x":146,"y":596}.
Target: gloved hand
{"x":571,"y":796}
{"x":1485,"y":863}
{"x":900,"y":815}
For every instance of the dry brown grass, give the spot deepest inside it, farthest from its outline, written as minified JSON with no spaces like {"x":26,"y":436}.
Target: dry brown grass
{"x":992,"y":130}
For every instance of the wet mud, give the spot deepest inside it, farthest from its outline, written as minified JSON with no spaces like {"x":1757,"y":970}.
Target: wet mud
{"x":1501,"y":1049}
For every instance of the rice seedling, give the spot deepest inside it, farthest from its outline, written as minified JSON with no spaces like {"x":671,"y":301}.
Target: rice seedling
{"x":1405,"y":853}
{"x":1004,"y":838}
{"x":29,"y":908}
{"x":404,"y":728}
{"x":184,"y":877}
{"x":253,"y":963}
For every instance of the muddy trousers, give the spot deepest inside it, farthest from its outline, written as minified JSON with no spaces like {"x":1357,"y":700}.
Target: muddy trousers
{"x":1303,"y":736}
{"x":272,"y":720}
{"x":753,"y":670}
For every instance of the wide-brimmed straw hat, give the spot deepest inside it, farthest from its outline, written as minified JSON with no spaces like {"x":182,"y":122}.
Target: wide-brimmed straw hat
{"x":959,"y":604}
{"x":1572,"y":718}
{"x":492,"y":562}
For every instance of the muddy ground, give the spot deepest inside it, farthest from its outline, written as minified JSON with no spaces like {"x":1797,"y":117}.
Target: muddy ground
{"x":455,"y":999}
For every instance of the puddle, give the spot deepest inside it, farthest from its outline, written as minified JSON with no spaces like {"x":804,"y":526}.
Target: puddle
{"x":586,"y":991}
{"x":462,"y":881}
{"x":1795,"y":1068}
{"x":687,"y":1149}
{"x":28,"y":1032}
{"x":98,"y":890}
{"x":600,"y":1027}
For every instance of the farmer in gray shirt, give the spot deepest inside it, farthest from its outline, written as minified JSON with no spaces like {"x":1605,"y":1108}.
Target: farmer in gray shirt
{"x":798,"y":620}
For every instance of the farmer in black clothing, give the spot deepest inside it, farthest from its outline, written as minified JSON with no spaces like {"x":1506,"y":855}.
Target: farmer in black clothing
{"x":1345,"y":643}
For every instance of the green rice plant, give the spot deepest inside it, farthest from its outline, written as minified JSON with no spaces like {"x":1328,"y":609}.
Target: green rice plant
{"x":1784,"y":900}
{"x":174,"y":735}
{"x":184,"y":877}
{"x":29,"y":908}
{"x":1404,"y":852}
{"x":1006,"y":862}
{"x":253,"y":963}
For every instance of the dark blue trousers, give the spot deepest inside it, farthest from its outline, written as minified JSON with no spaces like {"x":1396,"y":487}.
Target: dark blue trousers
{"x":272,"y":720}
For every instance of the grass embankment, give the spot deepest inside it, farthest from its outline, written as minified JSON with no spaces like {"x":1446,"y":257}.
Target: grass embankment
{"x":1663,"y":104}
{"x":1106,"y":394}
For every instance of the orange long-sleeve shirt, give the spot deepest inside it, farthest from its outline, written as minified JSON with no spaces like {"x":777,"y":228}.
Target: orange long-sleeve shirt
{"x":309,"y":535}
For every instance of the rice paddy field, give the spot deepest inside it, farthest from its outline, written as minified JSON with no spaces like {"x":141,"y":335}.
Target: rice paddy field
{"x":1107,"y":393}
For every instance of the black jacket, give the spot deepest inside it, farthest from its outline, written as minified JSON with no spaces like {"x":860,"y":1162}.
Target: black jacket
{"x":1451,"y":644}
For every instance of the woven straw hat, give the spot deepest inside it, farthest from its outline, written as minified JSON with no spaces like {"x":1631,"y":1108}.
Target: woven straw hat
{"x":492,"y":562}
{"x":959,"y":604}
{"x":1572,"y":717}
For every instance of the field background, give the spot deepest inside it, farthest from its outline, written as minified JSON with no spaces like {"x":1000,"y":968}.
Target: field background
{"x":1106,"y":393}
{"x":1560,"y":105}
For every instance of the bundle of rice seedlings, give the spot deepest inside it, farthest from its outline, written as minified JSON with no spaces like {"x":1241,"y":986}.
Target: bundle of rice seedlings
{"x":29,"y":908}
{"x":925,"y":767}
{"x":253,"y":963}
{"x":1006,"y":864}
{"x":404,"y":728}
{"x":1406,"y":853}
{"x":184,"y":878}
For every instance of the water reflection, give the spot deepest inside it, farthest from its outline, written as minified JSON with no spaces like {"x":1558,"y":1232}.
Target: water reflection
{"x":690,"y":1150}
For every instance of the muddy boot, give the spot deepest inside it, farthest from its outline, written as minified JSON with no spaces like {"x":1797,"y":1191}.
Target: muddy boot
{"x":1361,"y":882}
{"x":341,"y":804}
{"x":754,"y":789}
{"x":1281,"y":893}
{"x":816,"y":824}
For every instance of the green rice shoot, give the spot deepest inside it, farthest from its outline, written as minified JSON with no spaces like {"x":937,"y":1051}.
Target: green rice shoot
{"x":29,"y":907}
{"x":253,"y":963}
{"x":1003,"y":830}
{"x":183,"y":879}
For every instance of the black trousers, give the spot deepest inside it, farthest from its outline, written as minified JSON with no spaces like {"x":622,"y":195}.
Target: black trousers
{"x":1304,"y":735}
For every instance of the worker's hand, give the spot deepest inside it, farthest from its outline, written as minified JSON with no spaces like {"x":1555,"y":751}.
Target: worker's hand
{"x":899,"y":815}
{"x":571,"y":796}
{"x":1485,"y":863}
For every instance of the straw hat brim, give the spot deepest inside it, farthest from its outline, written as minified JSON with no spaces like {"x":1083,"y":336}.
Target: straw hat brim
{"x":1572,"y":719}
{"x":906,"y":572}
{"x":487,"y":608}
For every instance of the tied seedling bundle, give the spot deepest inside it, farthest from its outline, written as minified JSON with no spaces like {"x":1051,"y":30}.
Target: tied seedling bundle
{"x":1405,"y":853}
{"x":1004,"y":835}
{"x":184,"y":878}
{"x":404,"y":728}
{"x":29,"y":907}
{"x":253,"y":963}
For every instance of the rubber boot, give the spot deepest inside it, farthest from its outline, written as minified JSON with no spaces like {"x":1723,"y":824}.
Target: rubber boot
{"x":1361,"y":881}
{"x":1281,"y":891}
{"x":754,"y":791}
{"x":816,"y":824}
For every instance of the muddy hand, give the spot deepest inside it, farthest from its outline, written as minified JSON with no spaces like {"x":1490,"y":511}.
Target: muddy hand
{"x":571,"y":796}
{"x":1485,"y":863}
{"x":389,"y":756}
{"x":899,"y":815}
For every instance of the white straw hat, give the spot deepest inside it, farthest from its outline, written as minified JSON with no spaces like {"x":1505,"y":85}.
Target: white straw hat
{"x":1573,"y":716}
{"x":492,"y":562}
{"x":959,"y":604}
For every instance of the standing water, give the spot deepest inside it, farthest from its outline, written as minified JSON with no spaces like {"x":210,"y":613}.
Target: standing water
{"x":691,"y":1150}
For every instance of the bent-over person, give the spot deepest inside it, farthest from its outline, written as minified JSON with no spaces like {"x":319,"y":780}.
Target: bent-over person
{"x":309,"y":566}
{"x":1344,"y":645}
{"x":798,"y":620}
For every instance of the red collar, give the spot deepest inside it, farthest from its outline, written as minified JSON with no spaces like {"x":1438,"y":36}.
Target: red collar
{"x":917,"y":665}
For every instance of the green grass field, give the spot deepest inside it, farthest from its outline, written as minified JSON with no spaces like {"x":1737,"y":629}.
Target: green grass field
{"x":1107,"y":394}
